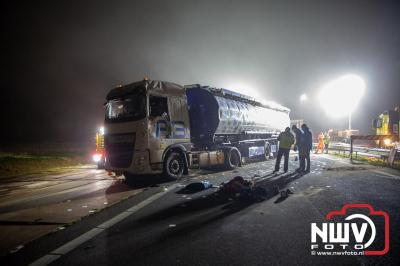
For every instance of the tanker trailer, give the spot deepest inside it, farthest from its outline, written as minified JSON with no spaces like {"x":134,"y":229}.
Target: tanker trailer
{"x":240,"y":126}
{"x":154,"y":127}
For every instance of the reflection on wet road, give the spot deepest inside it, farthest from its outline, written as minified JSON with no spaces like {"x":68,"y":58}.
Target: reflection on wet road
{"x":35,"y":205}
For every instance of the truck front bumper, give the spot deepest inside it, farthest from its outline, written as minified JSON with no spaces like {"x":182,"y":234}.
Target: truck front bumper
{"x":140,"y":165}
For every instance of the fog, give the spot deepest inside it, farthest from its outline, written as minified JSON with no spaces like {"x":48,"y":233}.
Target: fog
{"x":62,"y":57}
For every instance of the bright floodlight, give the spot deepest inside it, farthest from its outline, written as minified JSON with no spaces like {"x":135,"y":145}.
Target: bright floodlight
{"x":340,"y":97}
{"x":101,"y":130}
{"x":387,"y":142}
{"x":303,"y":97}
{"x":97,"y":157}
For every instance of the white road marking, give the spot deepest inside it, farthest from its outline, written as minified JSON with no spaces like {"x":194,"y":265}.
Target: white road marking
{"x":46,"y":260}
{"x":71,"y":245}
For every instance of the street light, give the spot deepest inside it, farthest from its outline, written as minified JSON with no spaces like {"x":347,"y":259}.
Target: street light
{"x":340,"y":97}
{"x":303,"y":97}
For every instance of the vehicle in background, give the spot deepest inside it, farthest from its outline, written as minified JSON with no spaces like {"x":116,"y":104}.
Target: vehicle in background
{"x":99,"y":156}
{"x":387,"y":124}
{"x":296,"y":122}
{"x":342,"y":135}
{"x":154,"y":127}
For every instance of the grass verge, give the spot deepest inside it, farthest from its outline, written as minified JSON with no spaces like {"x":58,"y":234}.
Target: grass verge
{"x":13,"y":164}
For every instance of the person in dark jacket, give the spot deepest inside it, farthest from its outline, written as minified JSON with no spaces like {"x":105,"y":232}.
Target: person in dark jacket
{"x":286,"y":140}
{"x":306,"y":148}
{"x":299,"y":143}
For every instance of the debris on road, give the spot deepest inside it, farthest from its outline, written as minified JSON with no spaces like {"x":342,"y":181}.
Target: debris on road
{"x":283,"y":194}
{"x":88,"y":247}
{"x":239,"y":188}
{"x":196,"y":187}
{"x":286,"y":192}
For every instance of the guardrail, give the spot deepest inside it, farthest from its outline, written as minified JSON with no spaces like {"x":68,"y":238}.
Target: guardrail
{"x":360,"y":150}
{"x":355,"y":151}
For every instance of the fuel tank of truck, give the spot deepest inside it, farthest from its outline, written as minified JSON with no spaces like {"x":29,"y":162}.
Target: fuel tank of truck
{"x":222,"y":112}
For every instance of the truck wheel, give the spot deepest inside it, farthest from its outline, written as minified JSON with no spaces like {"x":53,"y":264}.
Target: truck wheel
{"x":174,"y":165}
{"x":232,"y":159}
{"x":128,"y":176}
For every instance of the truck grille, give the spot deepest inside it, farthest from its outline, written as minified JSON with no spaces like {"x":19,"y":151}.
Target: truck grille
{"x":119,"y":149}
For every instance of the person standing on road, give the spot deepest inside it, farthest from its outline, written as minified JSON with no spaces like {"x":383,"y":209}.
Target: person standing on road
{"x":306,"y":148}
{"x":321,"y":145}
{"x":327,"y":139}
{"x":299,"y":143}
{"x":286,"y":140}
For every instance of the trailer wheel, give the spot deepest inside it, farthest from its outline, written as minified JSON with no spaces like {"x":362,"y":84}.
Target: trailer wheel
{"x":232,"y":159}
{"x":174,"y":165}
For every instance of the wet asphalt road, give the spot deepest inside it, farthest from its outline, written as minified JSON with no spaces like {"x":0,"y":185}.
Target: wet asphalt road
{"x":205,"y":229}
{"x":32,"y":206}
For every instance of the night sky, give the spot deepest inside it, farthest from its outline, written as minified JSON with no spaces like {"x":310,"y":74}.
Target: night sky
{"x":60,"y":58}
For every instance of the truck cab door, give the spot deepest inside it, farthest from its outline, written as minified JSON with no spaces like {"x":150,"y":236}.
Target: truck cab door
{"x":179,"y":119}
{"x":159,"y":116}
{"x":159,"y":127}
{"x":168,"y":123}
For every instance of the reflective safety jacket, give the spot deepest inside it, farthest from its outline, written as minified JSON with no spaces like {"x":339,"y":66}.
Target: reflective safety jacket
{"x":286,"y":140}
{"x":327,"y":139}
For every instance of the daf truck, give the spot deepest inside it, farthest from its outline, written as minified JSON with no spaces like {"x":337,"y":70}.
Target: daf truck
{"x":155,"y":127}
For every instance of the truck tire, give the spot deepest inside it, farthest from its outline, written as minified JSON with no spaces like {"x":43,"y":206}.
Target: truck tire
{"x":128,"y":176}
{"x":174,"y":165}
{"x":232,"y":159}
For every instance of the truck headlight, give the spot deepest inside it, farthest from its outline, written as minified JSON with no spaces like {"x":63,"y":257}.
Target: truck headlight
{"x":97,"y":157}
{"x":101,"y":131}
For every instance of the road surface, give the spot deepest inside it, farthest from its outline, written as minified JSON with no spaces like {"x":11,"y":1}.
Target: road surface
{"x":150,"y":223}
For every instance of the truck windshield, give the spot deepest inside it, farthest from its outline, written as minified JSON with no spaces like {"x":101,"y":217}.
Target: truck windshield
{"x":129,"y":108}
